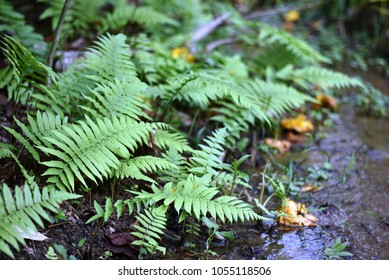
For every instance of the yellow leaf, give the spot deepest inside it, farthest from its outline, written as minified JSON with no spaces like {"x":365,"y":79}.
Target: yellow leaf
{"x":300,"y":124}
{"x":296,"y":215}
{"x":291,"y":16}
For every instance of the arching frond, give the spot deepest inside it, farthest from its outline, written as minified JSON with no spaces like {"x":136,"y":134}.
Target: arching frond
{"x":269,"y":35}
{"x":93,"y":148}
{"x":25,"y":74}
{"x":196,"y":198}
{"x":324,"y":78}
{"x":39,"y":128}
{"x":19,"y":213}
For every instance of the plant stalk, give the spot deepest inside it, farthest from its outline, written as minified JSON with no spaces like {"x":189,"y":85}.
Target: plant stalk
{"x":57,"y":33}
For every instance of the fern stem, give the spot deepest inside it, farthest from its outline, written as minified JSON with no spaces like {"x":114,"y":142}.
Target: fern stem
{"x":57,"y":33}
{"x":263,"y":184}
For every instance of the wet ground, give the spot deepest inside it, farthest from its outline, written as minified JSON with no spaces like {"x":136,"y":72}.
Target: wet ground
{"x":354,"y":207}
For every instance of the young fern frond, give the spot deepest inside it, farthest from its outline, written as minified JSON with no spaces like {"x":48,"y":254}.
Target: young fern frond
{"x":137,"y":167}
{"x":110,"y":58}
{"x":43,"y":126}
{"x":152,"y":224}
{"x":23,"y":210}
{"x":209,"y":160}
{"x":269,"y":35}
{"x":93,"y":148}
{"x":119,"y":98}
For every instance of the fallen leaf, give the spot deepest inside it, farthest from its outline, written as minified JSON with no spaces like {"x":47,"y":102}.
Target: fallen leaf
{"x":291,"y":16}
{"x":281,"y":145}
{"x":299,"y":124}
{"x":296,"y":215}
{"x":31,"y":234}
{"x":310,"y":188}
{"x":325,"y":101}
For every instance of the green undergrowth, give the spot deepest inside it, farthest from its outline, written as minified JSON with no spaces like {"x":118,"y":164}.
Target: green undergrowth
{"x":150,"y":110}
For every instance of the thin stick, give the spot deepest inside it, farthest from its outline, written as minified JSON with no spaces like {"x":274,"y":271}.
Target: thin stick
{"x":209,"y":27}
{"x":57,"y":33}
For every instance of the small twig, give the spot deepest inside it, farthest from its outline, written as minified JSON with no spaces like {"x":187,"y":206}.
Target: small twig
{"x":209,"y":27}
{"x":213,"y":45}
{"x":57,"y":33}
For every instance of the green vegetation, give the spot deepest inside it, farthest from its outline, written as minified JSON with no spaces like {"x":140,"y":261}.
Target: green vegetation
{"x":151,"y":115}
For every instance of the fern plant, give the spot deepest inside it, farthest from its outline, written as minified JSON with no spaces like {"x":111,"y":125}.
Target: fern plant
{"x":152,"y":224}
{"x":19,"y":213}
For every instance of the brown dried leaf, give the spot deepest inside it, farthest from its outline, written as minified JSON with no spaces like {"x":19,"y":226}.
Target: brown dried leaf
{"x":310,"y":188}
{"x":281,"y":145}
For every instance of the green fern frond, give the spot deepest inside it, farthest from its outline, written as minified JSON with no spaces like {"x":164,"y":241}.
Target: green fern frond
{"x":120,"y":97}
{"x":23,"y":210}
{"x":25,"y":74}
{"x":165,"y":139}
{"x":152,"y":224}
{"x":209,"y":160}
{"x":269,"y":35}
{"x":200,"y":89}
{"x":110,"y":58}
{"x":43,"y":126}
{"x":137,"y":167}
{"x":280,"y":98}
{"x":93,"y":148}
{"x":325,"y":78}
{"x":195,"y":197}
